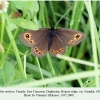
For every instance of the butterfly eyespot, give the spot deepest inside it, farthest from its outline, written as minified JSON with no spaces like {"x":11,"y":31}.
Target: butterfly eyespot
{"x":71,"y":42}
{"x":56,"y":52}
{"x":36,"y":49}
{"x":77,"y":36}
{"x":31,"y":42}
{"x":27,"y":36}
{"x":39,"y":52}
{"x":61,"y":50}
{"x":51,"y":50}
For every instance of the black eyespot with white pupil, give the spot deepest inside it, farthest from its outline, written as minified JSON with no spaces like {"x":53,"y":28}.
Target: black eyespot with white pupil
{"x":27,"y":36}
{"x":77,"y":36}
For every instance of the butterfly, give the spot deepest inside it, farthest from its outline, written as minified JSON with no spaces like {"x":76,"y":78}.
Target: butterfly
{"x":50,"y":39}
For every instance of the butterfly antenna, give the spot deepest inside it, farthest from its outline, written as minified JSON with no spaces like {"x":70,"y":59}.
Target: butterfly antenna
{"x":52,"y":26}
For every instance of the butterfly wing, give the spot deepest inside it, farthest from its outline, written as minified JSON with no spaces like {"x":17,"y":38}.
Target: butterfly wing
{"x":41,"y":47}
{"x":57,"y":46}
{"x":38,"y":40}
{"x":32,"y":37}
{"x":70,"y":37}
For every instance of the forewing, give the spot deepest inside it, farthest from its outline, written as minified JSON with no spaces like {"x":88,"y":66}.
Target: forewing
{"x":70,"y":37}
{"x":57,"y":46}
{"x":33,"y":37}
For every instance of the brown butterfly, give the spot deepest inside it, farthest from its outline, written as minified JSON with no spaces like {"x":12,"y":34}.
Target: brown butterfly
{"x":53,"y":40}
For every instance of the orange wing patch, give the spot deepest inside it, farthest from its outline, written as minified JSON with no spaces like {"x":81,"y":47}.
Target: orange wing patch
{"x":27,"y":37}
{"x":60,"y":51}
{"x":39,"y":52}
{"x":71,"y":42}
{"x":77,"y":36}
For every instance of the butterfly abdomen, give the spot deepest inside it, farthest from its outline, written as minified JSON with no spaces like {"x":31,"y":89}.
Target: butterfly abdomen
{"x":52,"y":33}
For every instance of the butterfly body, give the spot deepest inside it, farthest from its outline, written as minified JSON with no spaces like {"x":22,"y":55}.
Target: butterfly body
{"x":52,"y":33}
{"x":53,"y":40}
